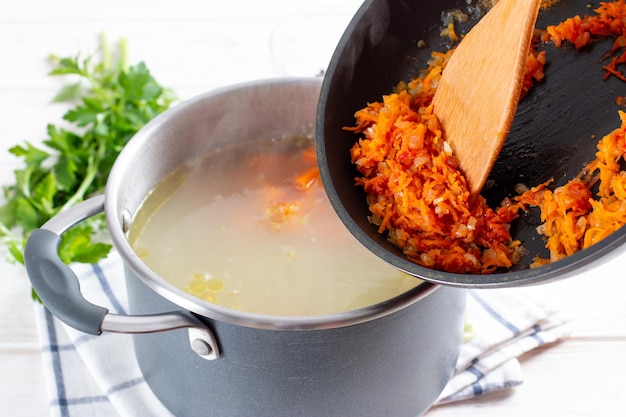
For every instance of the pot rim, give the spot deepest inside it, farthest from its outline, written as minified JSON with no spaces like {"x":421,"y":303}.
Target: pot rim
{"x":118,"y":220}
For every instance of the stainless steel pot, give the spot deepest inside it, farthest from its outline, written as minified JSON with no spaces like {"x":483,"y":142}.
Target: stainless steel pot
{"x":389,"y":359}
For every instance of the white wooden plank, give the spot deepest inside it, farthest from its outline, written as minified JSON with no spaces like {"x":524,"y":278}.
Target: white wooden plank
{"x":17,"y":323}
{"x":573,"y":379}
{"x":22,"y":388}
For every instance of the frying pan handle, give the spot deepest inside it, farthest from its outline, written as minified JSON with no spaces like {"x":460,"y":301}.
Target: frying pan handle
{"x":59,"y":289}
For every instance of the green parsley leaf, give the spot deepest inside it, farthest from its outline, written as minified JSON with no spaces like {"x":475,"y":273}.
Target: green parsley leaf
{"x":77,"y":246}
{"x":69,"y":92}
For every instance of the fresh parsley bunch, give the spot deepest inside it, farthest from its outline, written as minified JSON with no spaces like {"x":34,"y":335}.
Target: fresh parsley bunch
{"x":110,"y":101}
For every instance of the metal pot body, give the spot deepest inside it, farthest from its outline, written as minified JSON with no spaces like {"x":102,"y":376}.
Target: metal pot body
{"x":391,"y":366}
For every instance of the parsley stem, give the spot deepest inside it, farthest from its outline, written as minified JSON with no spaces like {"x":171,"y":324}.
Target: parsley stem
{"x":5,"y":232}
{"x":92,"y":171}
{"x":123,"y":59}
{"x":106,"y":52}
{"x":82,"y":189}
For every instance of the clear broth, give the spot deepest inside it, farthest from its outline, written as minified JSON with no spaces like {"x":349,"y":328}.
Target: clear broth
{"x":233,"y":230}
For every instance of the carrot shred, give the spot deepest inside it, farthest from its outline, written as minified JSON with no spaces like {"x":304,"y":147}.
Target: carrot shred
{"x":534,"y":70}
{"x":306,"y":179}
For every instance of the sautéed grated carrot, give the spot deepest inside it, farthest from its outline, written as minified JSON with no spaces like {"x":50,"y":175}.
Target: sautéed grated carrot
{"x":608,"y":22}
{"x":416,"y":193}
{"x":573,"y":218}
{"x":420,"y":199}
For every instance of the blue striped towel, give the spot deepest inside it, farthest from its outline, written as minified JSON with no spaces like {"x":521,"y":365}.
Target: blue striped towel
{"x":98,"y":376}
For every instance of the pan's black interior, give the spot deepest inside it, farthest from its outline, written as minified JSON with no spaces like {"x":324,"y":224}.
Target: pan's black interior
{"x":554,"y":133}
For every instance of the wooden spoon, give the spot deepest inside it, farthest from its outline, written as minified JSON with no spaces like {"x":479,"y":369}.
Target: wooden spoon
{"x":480,"y":87}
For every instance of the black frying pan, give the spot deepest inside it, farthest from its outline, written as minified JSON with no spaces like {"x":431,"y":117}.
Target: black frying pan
{"x":551,"y":135}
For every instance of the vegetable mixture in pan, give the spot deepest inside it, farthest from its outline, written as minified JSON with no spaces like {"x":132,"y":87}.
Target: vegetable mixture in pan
{"x":420,"y":199}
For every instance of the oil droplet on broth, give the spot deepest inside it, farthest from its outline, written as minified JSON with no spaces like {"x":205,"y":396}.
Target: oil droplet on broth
{"x":259,"y":242}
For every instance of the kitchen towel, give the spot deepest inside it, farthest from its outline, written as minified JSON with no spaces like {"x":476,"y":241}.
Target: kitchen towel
{"x":98,"y":376}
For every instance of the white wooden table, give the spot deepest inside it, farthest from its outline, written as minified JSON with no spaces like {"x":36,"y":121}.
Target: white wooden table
{"x":196,"y":45}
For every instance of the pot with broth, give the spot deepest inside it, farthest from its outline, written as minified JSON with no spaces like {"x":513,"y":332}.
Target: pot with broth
{"x":250,"y":228}
{"x":245,"y":226}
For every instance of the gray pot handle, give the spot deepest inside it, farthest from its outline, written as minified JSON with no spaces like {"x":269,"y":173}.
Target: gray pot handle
{"x":59,"y":289}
